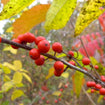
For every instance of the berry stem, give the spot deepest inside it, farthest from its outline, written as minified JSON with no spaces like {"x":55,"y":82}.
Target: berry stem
{"x":3,"y":40}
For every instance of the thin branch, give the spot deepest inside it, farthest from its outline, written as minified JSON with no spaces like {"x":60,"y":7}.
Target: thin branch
{"x":93,"y":103}
{"x":56,"y":59}
{"x":89,"y":58}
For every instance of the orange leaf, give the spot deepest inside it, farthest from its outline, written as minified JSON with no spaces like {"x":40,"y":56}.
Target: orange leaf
{"x":4,"y":1}
{"x":29,"y":19}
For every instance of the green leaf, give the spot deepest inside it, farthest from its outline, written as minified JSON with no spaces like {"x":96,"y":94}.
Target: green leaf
{"x":61,"y":55}
{"x":13,"y":7}
{"x":78,"y":80}
{"x":17,"y":77}
{"x":27,"y":77}
{"x":89,"y":13}
{"x":17,"y":94}
{"x":59,"y":14}
{"x":7,"y":86}
{"x":1,"y":95}
{"x":5,"y":103}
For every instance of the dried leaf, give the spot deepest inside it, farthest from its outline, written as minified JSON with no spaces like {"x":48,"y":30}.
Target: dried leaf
{"x":4,"y":1}
{"x":35,"y":16}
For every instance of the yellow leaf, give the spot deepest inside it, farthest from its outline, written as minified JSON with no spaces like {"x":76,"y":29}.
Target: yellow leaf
{"x":65,"y":75}
{"x":100,"y":98}
{"x":59,"y":14}
{"x":9,"y":29}
{"x":4,"y":1}
{"x":6,"y":78}
{"x":21,"y":104}
{"x":93,"y":60}
{"x":17,"y":77}
{"x":6,"y":70}
{"x":51,"y":73}
{"x":24,"y":70}
{"x":17,"y":64}
{"x":7,"y":86}
{"x":56,"y":93}
{"x":89,"y":13}
{"x":9,"y":48}
{"x":9,"y":65}
{"x":35,"y":16}
{"x":16,"y":94}
{"x":78,"y":81}
{"x":13,"y":7}
{"x":27,"y":77}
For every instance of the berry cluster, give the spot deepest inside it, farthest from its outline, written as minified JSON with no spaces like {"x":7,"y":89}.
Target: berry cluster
{"x":44,"y":97}
{"x":96,"y":87}
{"x":43,"y":46}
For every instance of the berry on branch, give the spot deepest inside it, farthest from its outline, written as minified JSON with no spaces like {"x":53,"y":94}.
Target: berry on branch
{"x":57,"y":47}
{"x":43,"y":46}
{"x":34,"y":53}
{"x":40,"y":60}
{"x":86,"y":61}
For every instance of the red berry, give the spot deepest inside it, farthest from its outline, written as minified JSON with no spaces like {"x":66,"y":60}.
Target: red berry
{"x":57,"y":47}
{"x":102,"y":91}
{"x":86,"y":61}
{"x":91,"y":84}
{"x":44,"y":88}
{"x":59,"y":99}
{"x":96,"y":67}
{"x":21,"y":38}
{"x":47,"y":101}
{"x":98,"y":86}
{"x":92,"y":90}
{"x":17,"y":41}
{"x":0,"y":39}
{"x":71,"y":53}
{"x":72,"y":62}
{"x":40,"y":60}
{"x":29,"y":37}
{"x":56,"y":101}
{"x":43,"y":46}
{"x":34,"y":53}
{"x":103,"y":78}
{"x":66,"y":85}
{"x":61,"y":90}
{"x":57,"y":74}
{"x":43,"y":98}
{"x":58,"y":66}
{"x":38,"y":39}
{"x":59,"y":95}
